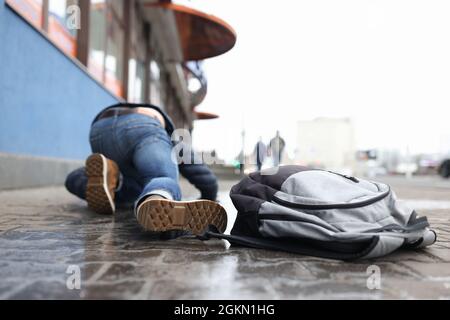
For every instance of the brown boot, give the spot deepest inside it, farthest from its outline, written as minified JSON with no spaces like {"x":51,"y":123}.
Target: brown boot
{"x":158,"y":214}
{"x":103,"y":177}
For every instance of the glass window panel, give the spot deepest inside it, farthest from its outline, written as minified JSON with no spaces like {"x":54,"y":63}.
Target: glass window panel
{"x":156,"y":88}
{"x":106,"y":45}
{"x":29,"y":9}
{"x":136,"y":81}
{"x":118,"y":6}
{"x":114,"y":56}
{"x":136,"y":78}
{"x":97,"y":38}
{"x":63,"y":23}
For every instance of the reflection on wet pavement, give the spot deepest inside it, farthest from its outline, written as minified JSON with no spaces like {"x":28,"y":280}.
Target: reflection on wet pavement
{"x":44,"y":231}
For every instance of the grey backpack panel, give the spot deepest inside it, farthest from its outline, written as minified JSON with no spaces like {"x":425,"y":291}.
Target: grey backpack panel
{"x":324,"y":214}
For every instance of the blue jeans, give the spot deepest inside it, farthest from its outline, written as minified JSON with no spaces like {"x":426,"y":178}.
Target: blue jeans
{"x":143,"y":151}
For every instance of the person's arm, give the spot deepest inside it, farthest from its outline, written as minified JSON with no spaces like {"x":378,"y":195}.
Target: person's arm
{"x":199,"y":175}
{"x":202,"y":178}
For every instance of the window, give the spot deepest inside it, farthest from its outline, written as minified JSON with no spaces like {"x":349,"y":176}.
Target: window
{"x":138,"y":56}
{"x":101,"y":45}
{"x":136,"y":81}
{"x":106,"y":43}
{"x":97,"y":38}
{"x":63,"y":17}
{"x":52,"y":17}
{"x":30,"y":10}
{"x":156,"y":85}
{"x":114,"y":55}
{"x":117,"y":7}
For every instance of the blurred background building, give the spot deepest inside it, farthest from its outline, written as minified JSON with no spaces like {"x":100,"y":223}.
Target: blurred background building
{"x":62,"y":61}
{"x":327,"y":143}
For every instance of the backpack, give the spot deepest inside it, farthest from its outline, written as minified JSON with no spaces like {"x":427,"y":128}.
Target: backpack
{"x":323,"y":214}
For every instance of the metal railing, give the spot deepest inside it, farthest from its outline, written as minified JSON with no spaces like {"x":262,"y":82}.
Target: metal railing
{"x":197,"y":83}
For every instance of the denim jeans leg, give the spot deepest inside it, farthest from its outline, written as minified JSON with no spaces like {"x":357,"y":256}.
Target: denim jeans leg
{"x":142,"y":149}
{"x":107,"y":137}
{"x":76,"y":183}
{"x":127,"y":193}
{"x":152,"y":159}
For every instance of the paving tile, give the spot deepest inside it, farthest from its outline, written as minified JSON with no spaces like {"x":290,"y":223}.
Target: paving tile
{"x":45,"y":231}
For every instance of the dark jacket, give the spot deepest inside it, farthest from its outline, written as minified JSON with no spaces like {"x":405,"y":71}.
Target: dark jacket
{"x":198,"y":175}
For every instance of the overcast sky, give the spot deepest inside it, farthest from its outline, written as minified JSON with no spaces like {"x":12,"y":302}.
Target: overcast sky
{"x":384,"y":64}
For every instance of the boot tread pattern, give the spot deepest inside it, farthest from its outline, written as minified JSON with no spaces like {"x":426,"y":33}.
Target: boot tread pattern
{"x":97,"y":188}
{"x":195,"y":216}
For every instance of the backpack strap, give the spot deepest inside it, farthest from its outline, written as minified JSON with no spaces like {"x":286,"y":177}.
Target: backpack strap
{"x":347,"y":252}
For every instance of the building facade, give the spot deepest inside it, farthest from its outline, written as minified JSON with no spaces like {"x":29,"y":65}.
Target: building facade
{"x":62,"y":61}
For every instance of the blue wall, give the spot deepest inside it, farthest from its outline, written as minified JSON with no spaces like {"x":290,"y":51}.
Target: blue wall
{"x":46,"y":101}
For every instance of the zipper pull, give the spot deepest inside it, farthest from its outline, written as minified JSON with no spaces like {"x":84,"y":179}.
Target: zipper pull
{"x":352,"y":179}
{"x":355,"y":180}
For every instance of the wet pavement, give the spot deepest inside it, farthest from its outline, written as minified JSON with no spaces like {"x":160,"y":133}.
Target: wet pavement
{"x":47,"y":234}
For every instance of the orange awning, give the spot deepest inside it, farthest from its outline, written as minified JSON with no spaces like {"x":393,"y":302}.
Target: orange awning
{"x":202,"y":35}
{"x":205,"y":115}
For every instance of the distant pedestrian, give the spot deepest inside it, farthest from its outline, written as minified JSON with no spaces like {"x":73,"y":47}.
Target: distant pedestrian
{"x":277,"y":146}
{"x":260,"y":153}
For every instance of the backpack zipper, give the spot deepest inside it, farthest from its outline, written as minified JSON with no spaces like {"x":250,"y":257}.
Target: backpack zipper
{"x":352,"y":205}
{"x":355,"y":180}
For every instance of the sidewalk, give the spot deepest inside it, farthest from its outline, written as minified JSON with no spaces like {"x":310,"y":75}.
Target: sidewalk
{"x":44,"y":231}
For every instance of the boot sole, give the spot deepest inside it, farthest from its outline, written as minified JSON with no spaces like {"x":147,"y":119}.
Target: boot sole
{"x":194,"y":216}
{"x":98,"y":197}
